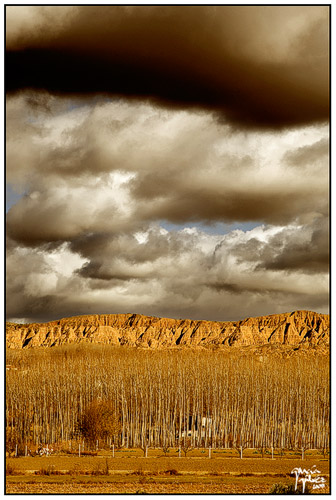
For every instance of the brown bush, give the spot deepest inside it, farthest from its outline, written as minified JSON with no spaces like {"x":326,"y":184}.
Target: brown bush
{"x":171,"y":472}
{"x":48,"y":471}
{"x":98,"y":422}
{"x":10,"y":470}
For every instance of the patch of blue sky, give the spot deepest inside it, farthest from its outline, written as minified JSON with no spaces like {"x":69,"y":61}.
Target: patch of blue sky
{"x":89,"y":101}
{"x":217,"y":228}
{"x":12,"y":196}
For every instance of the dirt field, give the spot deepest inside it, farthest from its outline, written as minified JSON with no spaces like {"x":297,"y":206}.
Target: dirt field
{"x":129,"y":472}
{"x":149,"y":486}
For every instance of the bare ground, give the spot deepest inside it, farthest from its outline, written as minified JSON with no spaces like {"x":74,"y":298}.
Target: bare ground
{"x":155,"y":474}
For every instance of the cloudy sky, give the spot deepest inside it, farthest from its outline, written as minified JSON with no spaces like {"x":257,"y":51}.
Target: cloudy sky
{"x":170,"y":161}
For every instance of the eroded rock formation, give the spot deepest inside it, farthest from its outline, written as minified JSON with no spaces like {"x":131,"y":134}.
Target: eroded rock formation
{"x":299,"y":328}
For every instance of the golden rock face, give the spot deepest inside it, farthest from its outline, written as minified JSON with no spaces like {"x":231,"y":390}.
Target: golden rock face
{"x":299,"y":328}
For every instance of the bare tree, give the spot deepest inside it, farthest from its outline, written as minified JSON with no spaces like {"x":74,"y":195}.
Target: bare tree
{"x":186,"y":446}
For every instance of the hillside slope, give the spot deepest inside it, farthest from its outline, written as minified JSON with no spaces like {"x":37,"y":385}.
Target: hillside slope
{"x":299,"y":328}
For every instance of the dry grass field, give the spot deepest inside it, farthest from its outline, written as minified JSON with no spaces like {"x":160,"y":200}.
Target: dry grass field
{"x":130,"y":472}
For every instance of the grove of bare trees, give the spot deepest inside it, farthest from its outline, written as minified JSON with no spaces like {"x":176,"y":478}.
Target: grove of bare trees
{"x":188,"y":398}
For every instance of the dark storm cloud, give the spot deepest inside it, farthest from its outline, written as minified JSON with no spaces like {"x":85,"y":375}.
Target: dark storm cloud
{"x":62,"y":217}
{"x":116,"y":168}
{"x":216,"y":203}
{"x":110,"y":138}
{"x":304,"y":251}
{"x":69,"y":211}
{"x":259,"y":66}
{"x":121,"y":257}
{"x":310,"y":256}
{"x":18,"y":283}
{"x":126,"y":246}
{"x":227,"y":287}
{"x":177,"y":274}
{"x":182,"y":286}
{"x":309,"y":155}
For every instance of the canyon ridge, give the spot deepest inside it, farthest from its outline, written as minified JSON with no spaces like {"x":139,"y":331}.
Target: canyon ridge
{"x":299,"y":329}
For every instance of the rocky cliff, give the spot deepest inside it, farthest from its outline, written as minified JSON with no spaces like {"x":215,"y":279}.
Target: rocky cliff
{"x":299,"y":328}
